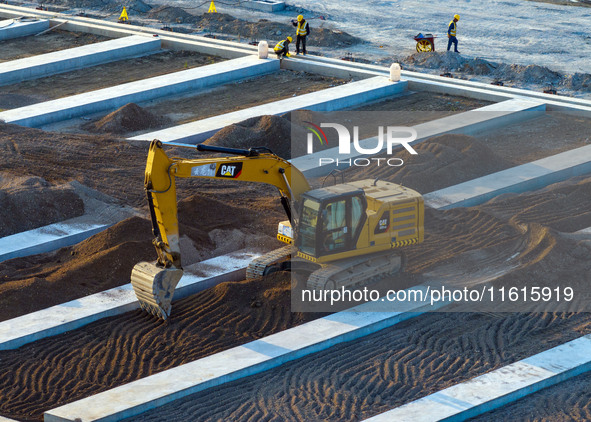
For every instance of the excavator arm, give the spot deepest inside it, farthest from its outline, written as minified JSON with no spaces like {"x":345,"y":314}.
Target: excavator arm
{"x":154,"y":283}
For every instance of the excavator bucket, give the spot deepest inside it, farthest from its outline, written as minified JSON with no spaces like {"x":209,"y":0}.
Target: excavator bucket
{"x":154,"y":287}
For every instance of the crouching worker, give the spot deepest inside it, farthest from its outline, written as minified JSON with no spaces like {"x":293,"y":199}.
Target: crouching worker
{"x":282,"y":48}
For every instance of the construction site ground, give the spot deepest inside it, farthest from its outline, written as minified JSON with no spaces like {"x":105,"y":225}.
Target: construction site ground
{"x":55,"y":40}
{"x":100,"y":76}
{"x":44,"y":175}
{"x":210,"y":215}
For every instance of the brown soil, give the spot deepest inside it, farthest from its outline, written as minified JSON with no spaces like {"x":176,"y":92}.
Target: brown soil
{"x":105,"y":260}
{"x":128,"y":118}
{"x":104,"y":76}
{"x":403,"y":363}
{"x":433,"y":351}
{"x":51,"y":41}
{"x":447,"y":159}
{"x":356,"y":380}
{"x":31,"y":202}
{"x":240,"y":95}
{"x":34,"y":380}
{"x":359,"y":379}
{"x":539,"y":137}
{"x":272,"y":132}
{"x":419,"y":102}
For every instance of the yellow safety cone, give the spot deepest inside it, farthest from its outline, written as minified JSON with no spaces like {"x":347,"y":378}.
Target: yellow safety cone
{"x":212,"y":8}
{"x":123,"y":17}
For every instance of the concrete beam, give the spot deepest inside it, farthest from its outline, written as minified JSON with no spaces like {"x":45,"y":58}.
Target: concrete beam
{"x":467,"y":123}
{"x":254,"y":357}
{"x":76,"y":58}
{"x":526,"y":177}
{"x":497,"y":388}
{"x":48,"y":238}
{"x":143,"y":90}
{"x":331,"y":99}
{"x":72,"y":315}
{"x":266,"y":5}
{"x":23,"y":27}
{"x":338,"y":69}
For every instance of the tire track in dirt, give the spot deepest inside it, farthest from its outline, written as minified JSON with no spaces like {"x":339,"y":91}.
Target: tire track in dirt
{"x":118,"y":350}
{"x":359,"y":379}
{"x":356,"y":380}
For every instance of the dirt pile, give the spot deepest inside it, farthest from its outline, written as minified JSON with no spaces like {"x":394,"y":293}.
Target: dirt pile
{"x":99,"y":263}
{"x":33,"y":380}
{"x":209,"y":227}
{"x":511,"y":73}
{"x":441,"y":161}
{"x":273,"y":132}
{"x":108,"y":165}
{"x":31,"y":202}
{"x":129,"y":118}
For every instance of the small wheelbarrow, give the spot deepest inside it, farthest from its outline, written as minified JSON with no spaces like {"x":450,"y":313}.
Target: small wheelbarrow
{"x":425,"y":42}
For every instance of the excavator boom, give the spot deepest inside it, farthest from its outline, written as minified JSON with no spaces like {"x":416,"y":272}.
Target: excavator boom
{"x":154,"y":283}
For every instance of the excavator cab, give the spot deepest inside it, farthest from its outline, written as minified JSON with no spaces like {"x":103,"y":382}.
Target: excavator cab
{"x":331,"y":220}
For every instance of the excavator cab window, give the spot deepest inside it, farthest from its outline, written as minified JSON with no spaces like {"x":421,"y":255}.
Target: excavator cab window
{"x":330,"y":226}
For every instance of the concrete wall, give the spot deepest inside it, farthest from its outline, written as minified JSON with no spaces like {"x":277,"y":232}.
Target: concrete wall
{"x":16,"y":28}
{"x":75,"y":58}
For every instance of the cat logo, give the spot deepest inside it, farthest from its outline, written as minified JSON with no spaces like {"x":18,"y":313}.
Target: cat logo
{"x":383,"y":223}
{"x":230,"y":170}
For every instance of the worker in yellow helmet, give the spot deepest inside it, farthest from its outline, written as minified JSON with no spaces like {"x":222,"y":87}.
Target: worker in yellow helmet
{"x":282,"y":48}
{"x":451,"y":33}
{"x":302,"y":31}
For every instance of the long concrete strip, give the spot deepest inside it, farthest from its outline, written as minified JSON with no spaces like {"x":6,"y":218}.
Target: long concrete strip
{"x":143,"y":90}
{"x":525,"y":177}
{"x":23,"y":27}
{"x":468,"y":123}
{"x":77,"y":313}
{"x":434,"y":83}
{"x":76,"y":58}
{"x":254,"y":357}
{"x":331,"y":99}
{"x":497,"y":388}
{"x":48,"y":238}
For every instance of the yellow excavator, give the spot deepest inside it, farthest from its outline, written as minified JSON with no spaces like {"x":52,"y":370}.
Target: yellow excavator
{"x":341,"y":236}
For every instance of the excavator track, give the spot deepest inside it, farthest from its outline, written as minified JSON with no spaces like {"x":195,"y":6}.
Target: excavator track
{"x":356,"y":272}
{"x":258,"y":265}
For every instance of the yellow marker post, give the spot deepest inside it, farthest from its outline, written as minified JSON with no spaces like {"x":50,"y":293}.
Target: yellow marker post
{"x":123,"y":17}
{"x":212,"y":8}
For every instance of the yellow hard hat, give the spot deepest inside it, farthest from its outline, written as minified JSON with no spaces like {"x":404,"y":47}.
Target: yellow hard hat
{"x":290,"y":39}
{"x":300,"y":18}
{"x":457,"y":17}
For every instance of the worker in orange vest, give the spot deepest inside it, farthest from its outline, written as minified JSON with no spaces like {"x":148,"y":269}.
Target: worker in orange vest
{"x":451,"y":33}
{"x":302,"y":31}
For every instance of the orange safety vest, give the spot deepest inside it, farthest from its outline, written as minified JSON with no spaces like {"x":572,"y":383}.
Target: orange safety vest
{"x":302,"y":28}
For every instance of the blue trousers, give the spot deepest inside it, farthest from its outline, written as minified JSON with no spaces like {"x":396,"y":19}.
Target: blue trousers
{"x":453,"y":40}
